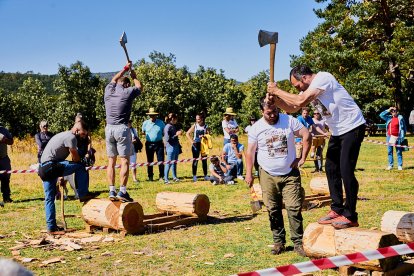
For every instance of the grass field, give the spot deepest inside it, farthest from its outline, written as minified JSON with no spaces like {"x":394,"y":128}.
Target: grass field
{"x":233,"y":241}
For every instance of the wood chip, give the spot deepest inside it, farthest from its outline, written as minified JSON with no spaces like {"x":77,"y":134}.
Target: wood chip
{"x":107,"y":253}
{"x":209,"y":263}
{"x":38,"y":242}
{"x":28,"y":260}
{"x":228,"y":255}
{"x":15,"y":253}
{"x":138,"y":253}
{"x":18,"y":247}
{"x":79,"y":235}
{"x":193,"y":256}
{"x":53,"y":260}
{"x":91,"y":239}
{"x":247,"y":228}
{"x":108,"y":239}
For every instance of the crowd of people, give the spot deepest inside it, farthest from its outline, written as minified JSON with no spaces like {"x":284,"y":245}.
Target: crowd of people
{"x":278,"y":144}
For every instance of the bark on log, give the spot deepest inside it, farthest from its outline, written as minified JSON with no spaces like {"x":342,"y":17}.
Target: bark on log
{"x":400,"y":224}
{"x":183,"y":203}
{"x":319,"y":185}
{"x":324,"y":241}
{"x":114,"y":214}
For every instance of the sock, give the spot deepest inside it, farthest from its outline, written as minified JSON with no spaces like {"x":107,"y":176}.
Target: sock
{"x":123,"y":189}
{"x":112,"y":188}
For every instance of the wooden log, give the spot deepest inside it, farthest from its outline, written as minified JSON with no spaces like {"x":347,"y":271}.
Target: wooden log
{"x":319,"y":185}
{"x":114,"y":214}
{"x":324,"y":241}
{"x":183,"y":203}
{"x":400,"y":224}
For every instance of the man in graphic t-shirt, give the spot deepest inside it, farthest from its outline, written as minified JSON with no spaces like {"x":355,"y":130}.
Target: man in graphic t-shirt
{"x":347,"y":125}
{"x":274,"y":138}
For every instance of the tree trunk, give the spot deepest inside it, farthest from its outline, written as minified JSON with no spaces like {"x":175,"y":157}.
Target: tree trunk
{"x":319,"y":185}
{"x":400,"y":224}
{"x":114,"y":214}
{"x":183,"y":203}
{"x":324,"y":241}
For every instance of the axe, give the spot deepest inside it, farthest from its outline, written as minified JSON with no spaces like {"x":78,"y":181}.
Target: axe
{"x":123,"y":40}
{"x":271,"y":38}
{"x":62,"y":202}
{"x":254,"y":203}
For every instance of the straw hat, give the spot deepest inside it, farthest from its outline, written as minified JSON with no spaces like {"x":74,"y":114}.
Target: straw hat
{"x":152,"y":111}
{"x":229,"y":111}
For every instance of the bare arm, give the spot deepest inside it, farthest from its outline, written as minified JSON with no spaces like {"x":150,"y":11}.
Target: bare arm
{"x":136,"y":81}
{"x":122,"y":72}
{"x":188,"y":134}
{"x":75,"y":155}
{"x":306,"y":142}
{"x":250,"y":157}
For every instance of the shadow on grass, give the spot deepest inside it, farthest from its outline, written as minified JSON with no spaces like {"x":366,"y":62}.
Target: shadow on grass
{"x":71,"y":197}
{"x":220,"y":220}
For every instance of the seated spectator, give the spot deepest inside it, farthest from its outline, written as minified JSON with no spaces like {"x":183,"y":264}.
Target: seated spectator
{"x":232,"y":156}
{"x":218,"y":172}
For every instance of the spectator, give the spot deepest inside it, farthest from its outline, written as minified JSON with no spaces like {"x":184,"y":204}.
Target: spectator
{"x":229,"y":124}
{"x":133,"y":157}
{"x":246,"y":129}
{"x":317,"y":151}
{"x":411,"y":120}
{"x":119,"y":96}
{"x":252,"y":121}
{"x":153,"y":129}
{"x":199,"y":129}
{"x":232,"y":156}
{"x":5,"y":139}
{"x":42,"y":138}
{"x":172,"y":146}
{"x":54,"y":165}
{"x":396,"y":131}
{"x":11,"y":268}
{"x":273,"y":135}
{"x":218,"y":172}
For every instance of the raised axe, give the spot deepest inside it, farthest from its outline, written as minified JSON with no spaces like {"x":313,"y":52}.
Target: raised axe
{"x":123,"y":40}
{"x":271,"y":38}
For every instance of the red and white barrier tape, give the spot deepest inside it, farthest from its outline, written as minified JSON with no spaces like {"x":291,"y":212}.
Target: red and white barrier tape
{"x":337,"y":261}
{"x":387,"y":144}
{"x":94,"y":168}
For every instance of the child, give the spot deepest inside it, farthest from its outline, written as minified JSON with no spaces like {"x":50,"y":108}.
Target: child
{"x":218,"y":171}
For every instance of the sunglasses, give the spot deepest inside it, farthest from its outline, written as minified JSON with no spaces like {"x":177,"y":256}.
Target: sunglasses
{"x":393,"y":111}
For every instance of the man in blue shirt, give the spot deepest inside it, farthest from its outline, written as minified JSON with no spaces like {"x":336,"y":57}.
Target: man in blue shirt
{"x":232,"y":156}
{"x":118,"y":97}
{"x":153,"y":128}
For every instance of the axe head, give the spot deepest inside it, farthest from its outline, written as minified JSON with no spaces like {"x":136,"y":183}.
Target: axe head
{"x":266,"y":37}
{"x":123,"y":40}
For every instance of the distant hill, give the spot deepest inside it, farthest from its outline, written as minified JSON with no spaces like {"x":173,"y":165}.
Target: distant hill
{"x":10,"y":82}
{"x":108,"y":75}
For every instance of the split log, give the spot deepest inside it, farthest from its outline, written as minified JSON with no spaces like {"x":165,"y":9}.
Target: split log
{"x":114,"y":214}
{"x":319,"y":185}
{"x":183,"y":203}
{"x":324,"y":241}
{"x":400,"y":224}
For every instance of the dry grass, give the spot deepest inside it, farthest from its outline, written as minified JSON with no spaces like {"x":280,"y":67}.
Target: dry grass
{"x":199,"y":249}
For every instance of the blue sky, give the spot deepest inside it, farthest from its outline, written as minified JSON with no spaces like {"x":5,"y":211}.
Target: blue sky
{"x":40,"y":35}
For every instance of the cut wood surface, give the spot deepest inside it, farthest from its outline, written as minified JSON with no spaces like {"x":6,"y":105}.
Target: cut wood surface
{"x":114,"y":214}
{"x":319,"y":185}
{"x":183,"y":203}
{"x":399,"y":223}
{"x":324,"y":241}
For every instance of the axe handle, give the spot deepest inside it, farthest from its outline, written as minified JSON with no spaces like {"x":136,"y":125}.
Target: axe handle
{"x":126,"y":52}
{"x":272,"y":61}
{"x":62,"y":203}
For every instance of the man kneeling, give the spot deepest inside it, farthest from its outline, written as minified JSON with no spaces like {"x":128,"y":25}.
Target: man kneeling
{"x":54,"y":165}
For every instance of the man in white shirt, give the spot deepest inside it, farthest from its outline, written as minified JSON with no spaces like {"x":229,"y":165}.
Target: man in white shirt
{"x":347,"y":125}
{"x":274,"y":138}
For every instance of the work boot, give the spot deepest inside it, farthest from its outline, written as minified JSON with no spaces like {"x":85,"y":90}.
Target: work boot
{"x":298,"y":249}
{"x":56,"y":231}
{"x":278,"y":248}
{"x":7,"y":199}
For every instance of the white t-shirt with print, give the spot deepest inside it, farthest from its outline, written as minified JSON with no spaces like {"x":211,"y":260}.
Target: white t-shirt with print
{"x":275,"y":143}
{"x":232,"y":124}
{"x":335,"y":104}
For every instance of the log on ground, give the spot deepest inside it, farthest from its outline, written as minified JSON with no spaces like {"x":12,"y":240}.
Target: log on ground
{"x":319,"y":185}
{"x":399,"y":223}
{"x":325,"y":241}
{"x":183,"y":203}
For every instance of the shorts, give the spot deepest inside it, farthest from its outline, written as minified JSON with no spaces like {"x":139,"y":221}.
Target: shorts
{"x":118,"y":141}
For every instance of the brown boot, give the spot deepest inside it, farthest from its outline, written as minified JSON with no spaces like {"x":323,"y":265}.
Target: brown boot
{"x":278,"y":248}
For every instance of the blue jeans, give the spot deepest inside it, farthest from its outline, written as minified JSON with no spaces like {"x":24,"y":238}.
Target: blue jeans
{"x":49,"y":187}
{"x":236,"y":168}
{"x":172,"y":154}
{"x":399,"y":151}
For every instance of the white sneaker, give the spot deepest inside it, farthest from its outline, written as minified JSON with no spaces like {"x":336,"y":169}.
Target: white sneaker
{"x":215,"y":183}
{"x":389,"y":168}
{"x":231,"y":182}
{"x":240,"y":177}
{"x":400,"y":168}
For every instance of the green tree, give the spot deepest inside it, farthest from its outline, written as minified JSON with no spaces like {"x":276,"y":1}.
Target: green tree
{"x":368,"y":46}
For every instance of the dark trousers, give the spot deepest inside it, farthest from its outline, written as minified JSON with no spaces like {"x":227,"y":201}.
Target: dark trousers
{"x":157,"y":148}
{"x":341,"y":159}
{"x":5,"y":177}
{"x":196,"y":150}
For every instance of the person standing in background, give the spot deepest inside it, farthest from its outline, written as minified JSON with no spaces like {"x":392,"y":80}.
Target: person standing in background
{"x":5,"y":139}
{"x":229,"y":125}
